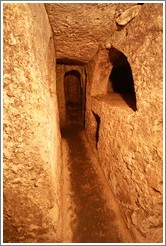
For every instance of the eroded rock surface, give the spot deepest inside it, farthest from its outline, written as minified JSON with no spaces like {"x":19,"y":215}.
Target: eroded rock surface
{"x":31,"y":132}
{"x":129,"y":145}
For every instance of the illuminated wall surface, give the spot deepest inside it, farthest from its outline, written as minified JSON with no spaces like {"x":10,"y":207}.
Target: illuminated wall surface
{"x":82,"y":120}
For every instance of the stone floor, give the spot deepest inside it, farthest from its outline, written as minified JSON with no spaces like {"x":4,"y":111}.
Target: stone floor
{"x":91,"y":214}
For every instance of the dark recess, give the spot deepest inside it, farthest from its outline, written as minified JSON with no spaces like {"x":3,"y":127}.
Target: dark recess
{"x":97,"y":118}
{"x":121,"y":78}
{"x":73,"y":96}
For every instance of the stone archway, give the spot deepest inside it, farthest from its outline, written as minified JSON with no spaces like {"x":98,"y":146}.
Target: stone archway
{"x":73,"y":96}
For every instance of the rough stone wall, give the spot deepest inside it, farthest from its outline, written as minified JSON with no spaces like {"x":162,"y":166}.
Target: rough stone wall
{"x":32,"y":158}
{"x":130,"y":143}
{"x":60,"y":73}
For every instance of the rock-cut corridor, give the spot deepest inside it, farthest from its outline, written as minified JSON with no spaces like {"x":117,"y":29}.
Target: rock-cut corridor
{"x":82,"y":122}
{"x":89,"y":206}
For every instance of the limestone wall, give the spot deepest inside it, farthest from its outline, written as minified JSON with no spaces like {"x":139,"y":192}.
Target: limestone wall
{"x":129,"y":144}
{"x":32,"y":157}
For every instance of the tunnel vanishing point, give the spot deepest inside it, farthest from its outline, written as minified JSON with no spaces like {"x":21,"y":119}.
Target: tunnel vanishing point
{"x":82,"y":122}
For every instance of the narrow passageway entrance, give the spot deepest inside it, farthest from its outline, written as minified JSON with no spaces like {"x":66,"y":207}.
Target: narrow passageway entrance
{"x":73,"y":96}
{"x":94,"y":217}
{"x":90,"y":213}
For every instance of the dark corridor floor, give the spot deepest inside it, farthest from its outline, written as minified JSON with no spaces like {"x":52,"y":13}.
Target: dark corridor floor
{"x":93,"y":217}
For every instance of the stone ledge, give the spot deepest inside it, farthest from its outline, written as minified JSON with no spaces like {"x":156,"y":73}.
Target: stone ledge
{"x":112,"y":100}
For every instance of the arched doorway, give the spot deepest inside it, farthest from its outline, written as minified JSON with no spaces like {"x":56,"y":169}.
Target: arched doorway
{"x":73,"y":96}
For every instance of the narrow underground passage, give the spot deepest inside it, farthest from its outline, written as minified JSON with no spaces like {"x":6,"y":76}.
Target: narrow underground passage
{"x":73,"y":96}
{"x":94,"y":217}
{"x":90,"y":212}
{"x":33,"y":170}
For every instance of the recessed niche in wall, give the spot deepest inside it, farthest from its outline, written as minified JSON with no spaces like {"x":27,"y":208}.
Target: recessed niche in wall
{"x":97,"y":123}
{"x":121,"y":78}
{"x":73,"y":95}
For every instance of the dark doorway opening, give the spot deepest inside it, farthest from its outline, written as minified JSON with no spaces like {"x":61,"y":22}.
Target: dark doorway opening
{"x":121,"y":78}
{"x":97,"y":118}
{"x":73,"y":96}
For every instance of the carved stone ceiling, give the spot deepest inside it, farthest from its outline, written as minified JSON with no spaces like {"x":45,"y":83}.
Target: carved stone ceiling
{"x":79,"y":28}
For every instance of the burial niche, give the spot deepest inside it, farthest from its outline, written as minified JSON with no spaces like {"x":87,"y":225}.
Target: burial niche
{"x":121,"y":78}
